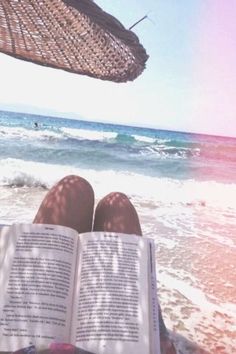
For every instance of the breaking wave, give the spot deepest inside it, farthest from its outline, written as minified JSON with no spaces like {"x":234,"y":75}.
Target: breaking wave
{"x":20,"y":173}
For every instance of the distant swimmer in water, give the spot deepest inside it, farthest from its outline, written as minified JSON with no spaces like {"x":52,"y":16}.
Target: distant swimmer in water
{"x":36,"y":125}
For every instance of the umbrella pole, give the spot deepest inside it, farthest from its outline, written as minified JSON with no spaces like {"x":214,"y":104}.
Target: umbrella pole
{"x":143,"y":18}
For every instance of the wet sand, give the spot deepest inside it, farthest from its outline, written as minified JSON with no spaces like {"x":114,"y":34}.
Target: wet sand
{"x":196,"y":282}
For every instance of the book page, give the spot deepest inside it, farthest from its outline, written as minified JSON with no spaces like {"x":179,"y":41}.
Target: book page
{"x":111,"y":300}
{"x":36,"y":281}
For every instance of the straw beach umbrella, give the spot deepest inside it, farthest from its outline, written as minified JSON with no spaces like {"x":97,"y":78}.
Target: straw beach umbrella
{"x":73,"y":35}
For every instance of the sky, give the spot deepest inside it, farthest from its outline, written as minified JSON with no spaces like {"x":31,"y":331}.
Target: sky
{"x":189,"y":83}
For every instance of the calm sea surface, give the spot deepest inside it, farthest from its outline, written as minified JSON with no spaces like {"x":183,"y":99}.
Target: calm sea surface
{"x":183,"y":186}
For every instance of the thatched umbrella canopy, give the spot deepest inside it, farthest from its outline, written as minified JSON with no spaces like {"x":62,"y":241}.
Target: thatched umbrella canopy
{"x":73,"y":35}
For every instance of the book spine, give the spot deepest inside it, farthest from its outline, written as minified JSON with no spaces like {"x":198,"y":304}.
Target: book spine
{"x":154,"y":302}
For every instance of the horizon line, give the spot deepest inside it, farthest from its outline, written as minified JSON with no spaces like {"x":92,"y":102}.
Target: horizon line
{"x":83,"y":119}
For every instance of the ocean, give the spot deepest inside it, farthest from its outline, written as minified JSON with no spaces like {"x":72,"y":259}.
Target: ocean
{"x":183,"y":186}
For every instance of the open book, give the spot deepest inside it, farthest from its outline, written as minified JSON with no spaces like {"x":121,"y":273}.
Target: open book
{"x":95,"y":290}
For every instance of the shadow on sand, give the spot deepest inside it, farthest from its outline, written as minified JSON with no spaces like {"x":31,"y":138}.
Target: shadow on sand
{"x":185,"y":346}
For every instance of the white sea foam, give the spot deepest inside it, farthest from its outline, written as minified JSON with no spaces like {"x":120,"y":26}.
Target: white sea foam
{"x":197,"y":317}
{"x":164,"y":152}
{"x":155,"y":189}
{"x":64,"y":133}
{"x":144,"y":139}
{"x":196,"y":295}
{"x":16,"y":172}
{"x":87,"y":134}
{"x":47,"y":134}
{"x":22,"y":133}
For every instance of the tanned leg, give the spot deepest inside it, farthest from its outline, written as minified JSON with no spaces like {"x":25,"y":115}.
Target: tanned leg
{"x":69,"y":203}
{"x":116,"y":213}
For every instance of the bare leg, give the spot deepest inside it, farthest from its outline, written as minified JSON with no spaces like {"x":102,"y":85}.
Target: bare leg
{"x":115,"y":213}
{"x":69,"y":203}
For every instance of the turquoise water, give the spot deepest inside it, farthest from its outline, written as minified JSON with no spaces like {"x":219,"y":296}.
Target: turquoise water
{"x":183,"y":186}
{"x":145,"y":151}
